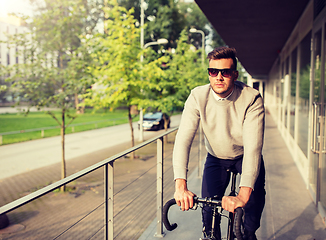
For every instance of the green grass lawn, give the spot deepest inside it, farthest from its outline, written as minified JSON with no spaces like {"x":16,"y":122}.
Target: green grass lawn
{"x":19,"y":121}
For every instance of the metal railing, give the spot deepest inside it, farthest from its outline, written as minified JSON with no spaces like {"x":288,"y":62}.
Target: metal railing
{"x":108,"y":165}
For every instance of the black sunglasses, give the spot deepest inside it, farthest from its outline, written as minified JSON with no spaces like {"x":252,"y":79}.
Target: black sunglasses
{"x":213,"y":72}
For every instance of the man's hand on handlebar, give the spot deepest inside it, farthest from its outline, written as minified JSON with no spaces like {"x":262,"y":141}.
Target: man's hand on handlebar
{"x":230,"y":203}
{"x":182,"y":196}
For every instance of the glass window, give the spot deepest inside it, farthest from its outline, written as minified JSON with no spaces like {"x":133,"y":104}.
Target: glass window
{"x":286,"y":91}
{"x":316,"y":98}
{"x":293,"y":80}
{"x":323,"y":183}
{"x":304,"y":88}
{"x":287,"y":66}
{"x":323,"y":163}
{"x":282,"y":99}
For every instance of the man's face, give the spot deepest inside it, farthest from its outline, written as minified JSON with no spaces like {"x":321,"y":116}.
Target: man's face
{"x":222,"y":86}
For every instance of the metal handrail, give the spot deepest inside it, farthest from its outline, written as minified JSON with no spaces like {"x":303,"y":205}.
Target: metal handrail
{"x":108,"y":194}
{"x":315,"y":147}
{"x":41,"y":192}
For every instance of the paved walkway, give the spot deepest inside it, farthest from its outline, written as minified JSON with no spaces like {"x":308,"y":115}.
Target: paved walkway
{"x":7,"y":109}
{"x":289,"y":211}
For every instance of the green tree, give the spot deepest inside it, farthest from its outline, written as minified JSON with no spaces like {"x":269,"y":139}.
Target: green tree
{"x":169,"y":79}
{"x":117,"y":63}
{"x":55,"y":62}
{"x":164,"y":21}
{"x":162,"y":18}
{"x":195,"y":18}
{"x":187,"y":69}
{"x":167,"y":18}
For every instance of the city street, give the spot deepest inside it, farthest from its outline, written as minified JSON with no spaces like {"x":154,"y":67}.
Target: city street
{"x":21,"y":157}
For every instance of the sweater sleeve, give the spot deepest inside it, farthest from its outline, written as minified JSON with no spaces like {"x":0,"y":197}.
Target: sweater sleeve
{"x":253,"y":137}
{"x":186,"y":133}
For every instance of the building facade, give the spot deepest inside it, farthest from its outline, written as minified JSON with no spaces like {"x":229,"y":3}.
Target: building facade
{"x":295,"y":96}
{"x":9,"y":25}
{"x":282,"y":44}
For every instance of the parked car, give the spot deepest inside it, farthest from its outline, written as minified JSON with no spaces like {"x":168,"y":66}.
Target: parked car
{"x":154,"y":121}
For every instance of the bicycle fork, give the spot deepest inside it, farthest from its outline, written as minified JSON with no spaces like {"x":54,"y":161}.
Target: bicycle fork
{"x":216,"y":219}
{"x":215,"y":233}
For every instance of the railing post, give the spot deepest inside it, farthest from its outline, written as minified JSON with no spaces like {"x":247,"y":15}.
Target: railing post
{"x":159,"y":182}
{"x":108,"y":199}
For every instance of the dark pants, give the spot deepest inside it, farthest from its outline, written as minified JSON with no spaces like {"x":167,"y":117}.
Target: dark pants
{"x":215,"y":182}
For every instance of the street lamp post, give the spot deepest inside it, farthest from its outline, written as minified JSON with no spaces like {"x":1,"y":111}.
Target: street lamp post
{"x":141,"y":118}
{"x":194,"y":30}
{"x":158,"y":42}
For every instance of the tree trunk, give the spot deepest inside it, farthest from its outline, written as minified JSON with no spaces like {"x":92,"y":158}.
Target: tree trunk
{"x":63,"y":163}
{"x":132,"y":132}
{"x":82,"y":108}
{"x":166,"y":123}
{"x":76,"y":102}
{"x":79,"y":109}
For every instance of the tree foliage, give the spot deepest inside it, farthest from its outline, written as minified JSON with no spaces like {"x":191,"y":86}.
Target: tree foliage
{"x":168,"y":86}
{"x":158,"y":83}
{"x":164,"y":20}
{"x":117,"y":62}
{"x":55,"y":65}
{"x":167,"y":18}
{"x":65,"y":59}
{"x":195,"y":18}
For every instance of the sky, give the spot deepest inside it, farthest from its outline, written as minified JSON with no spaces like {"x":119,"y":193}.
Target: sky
{"x":16,"y":6}
{"x":20,"y":6}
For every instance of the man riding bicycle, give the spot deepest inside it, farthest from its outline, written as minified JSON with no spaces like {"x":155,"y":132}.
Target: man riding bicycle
{"x":232,"y":117}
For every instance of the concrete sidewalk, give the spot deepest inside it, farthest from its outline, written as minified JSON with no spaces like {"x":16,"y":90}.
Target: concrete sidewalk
{"x":289,"y":211}
{"x":26,"y":156}
{"x":8,"y":109}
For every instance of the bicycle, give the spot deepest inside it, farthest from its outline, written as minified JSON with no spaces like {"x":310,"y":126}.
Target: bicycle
{"x":235,"y":228}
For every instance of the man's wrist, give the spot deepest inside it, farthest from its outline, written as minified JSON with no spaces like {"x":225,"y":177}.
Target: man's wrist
{"x":244,"y":194}
{"x":180,"y":184}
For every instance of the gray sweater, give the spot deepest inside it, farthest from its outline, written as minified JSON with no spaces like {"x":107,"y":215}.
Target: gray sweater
{"x":232,"y":127}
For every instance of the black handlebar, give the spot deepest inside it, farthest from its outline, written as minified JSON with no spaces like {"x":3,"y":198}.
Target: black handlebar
{"x":238,"y":223}
{"x":207,"y":201}
{"x":166,"y":222}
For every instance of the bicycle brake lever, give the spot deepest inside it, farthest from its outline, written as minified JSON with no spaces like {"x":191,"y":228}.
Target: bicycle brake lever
{"x":195,"y":206}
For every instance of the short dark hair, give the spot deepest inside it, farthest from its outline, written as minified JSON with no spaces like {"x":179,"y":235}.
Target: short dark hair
{"x":224,"y":52}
